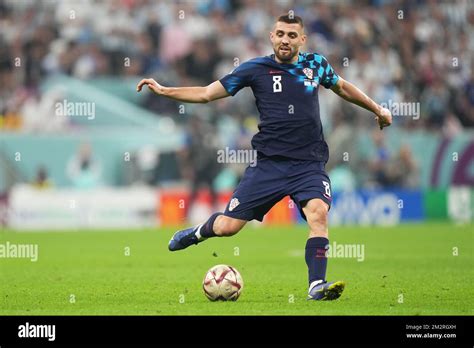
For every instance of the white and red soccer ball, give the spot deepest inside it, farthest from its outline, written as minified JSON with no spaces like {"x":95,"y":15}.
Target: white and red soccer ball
{"x":223,"y":283}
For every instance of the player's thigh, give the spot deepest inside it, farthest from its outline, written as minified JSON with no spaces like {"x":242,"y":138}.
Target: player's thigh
{"x":312,"y":194}
{"x":228,"y":226}
{"x":261,"y":188}
{"x":316,"y":211}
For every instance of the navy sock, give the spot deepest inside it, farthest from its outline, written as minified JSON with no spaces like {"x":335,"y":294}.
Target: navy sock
{"x":316,"y":259}
{"x":207,"y":230}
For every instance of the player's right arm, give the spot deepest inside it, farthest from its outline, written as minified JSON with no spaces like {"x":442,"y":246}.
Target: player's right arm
{"x":205,"y":94}
{"x":230,"y":84}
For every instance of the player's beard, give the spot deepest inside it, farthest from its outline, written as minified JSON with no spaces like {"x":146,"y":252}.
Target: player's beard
{"x":288,"y":57}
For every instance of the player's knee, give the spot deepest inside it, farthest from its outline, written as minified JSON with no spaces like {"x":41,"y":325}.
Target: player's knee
{"x":316,"y":212}
{"x":226,"y":226}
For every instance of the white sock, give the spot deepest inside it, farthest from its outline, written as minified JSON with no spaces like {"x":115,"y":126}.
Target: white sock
{"x":198,"y":233}
{"x":313,"y":284}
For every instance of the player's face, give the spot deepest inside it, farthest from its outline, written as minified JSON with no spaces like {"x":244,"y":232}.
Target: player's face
{"x":287,"y":39}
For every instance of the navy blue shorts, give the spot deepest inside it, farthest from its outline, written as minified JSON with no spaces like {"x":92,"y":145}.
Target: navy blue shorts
{"x":265,"y":184}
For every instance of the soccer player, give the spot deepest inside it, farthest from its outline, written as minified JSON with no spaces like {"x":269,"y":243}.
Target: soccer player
{"x":292,"y":152}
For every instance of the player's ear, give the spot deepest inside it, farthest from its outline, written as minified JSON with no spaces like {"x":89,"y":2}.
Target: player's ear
{"x":303,"y":39}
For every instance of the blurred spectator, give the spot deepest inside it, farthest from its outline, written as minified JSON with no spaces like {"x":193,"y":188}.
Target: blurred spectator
{"x":200,"y":64}
{"x":402,"y":170}
{"x":378,"y":165}
{"x":83,"y":169}
{"x":198,"y":160}
{"x":39,"y":111}
{"x":452,"y":126}
{"x":41,"y":181}
{"x":464,"y":101}
{"x":434,"y":101}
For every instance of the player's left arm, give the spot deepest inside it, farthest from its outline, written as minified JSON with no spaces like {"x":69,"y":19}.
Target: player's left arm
{"x":351,"y":93}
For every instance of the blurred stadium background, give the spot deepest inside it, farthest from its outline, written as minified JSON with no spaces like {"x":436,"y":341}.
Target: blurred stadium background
{"x":81,"y":149}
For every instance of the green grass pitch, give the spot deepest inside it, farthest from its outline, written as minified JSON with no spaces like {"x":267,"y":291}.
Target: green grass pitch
{"x":416,"y":269}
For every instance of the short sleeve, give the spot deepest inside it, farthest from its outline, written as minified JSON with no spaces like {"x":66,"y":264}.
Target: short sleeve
{"x":239,"y":78}
{"x":329,"y":77}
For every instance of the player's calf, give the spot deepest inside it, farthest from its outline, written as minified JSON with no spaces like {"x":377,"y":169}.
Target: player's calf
{"x":316,"y":246}
{"x":316,"y":212}
{"x":225,"y":226}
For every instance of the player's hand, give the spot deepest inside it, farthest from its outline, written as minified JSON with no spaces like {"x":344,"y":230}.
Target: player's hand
{"x":383,"y":117}
{"x":152,"y":86}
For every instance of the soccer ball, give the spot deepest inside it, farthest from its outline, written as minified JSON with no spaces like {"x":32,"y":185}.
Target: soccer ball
{"x":222,"y":283}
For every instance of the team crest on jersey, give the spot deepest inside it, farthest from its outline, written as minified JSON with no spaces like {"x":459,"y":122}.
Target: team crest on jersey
{"x":308,"y":72}
{"x":234,"y":202}
{"x":309,"y":82}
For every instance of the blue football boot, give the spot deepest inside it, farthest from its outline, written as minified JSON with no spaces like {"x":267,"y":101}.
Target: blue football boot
{"x":184,"y":238}
{"x":325,"y":291}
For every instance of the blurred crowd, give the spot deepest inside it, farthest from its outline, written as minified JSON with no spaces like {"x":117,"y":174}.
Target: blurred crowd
{"x":397,"y":51}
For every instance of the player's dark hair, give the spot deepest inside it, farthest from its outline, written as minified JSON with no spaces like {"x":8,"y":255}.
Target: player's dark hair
{"x":290,"y":19}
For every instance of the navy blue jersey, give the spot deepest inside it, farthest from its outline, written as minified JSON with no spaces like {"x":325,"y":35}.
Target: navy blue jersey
{"x":287,"y":100}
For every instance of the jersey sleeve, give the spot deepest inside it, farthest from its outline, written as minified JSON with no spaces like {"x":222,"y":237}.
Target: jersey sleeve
{"x":329,"y":77}
{"x":239,"y":78}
